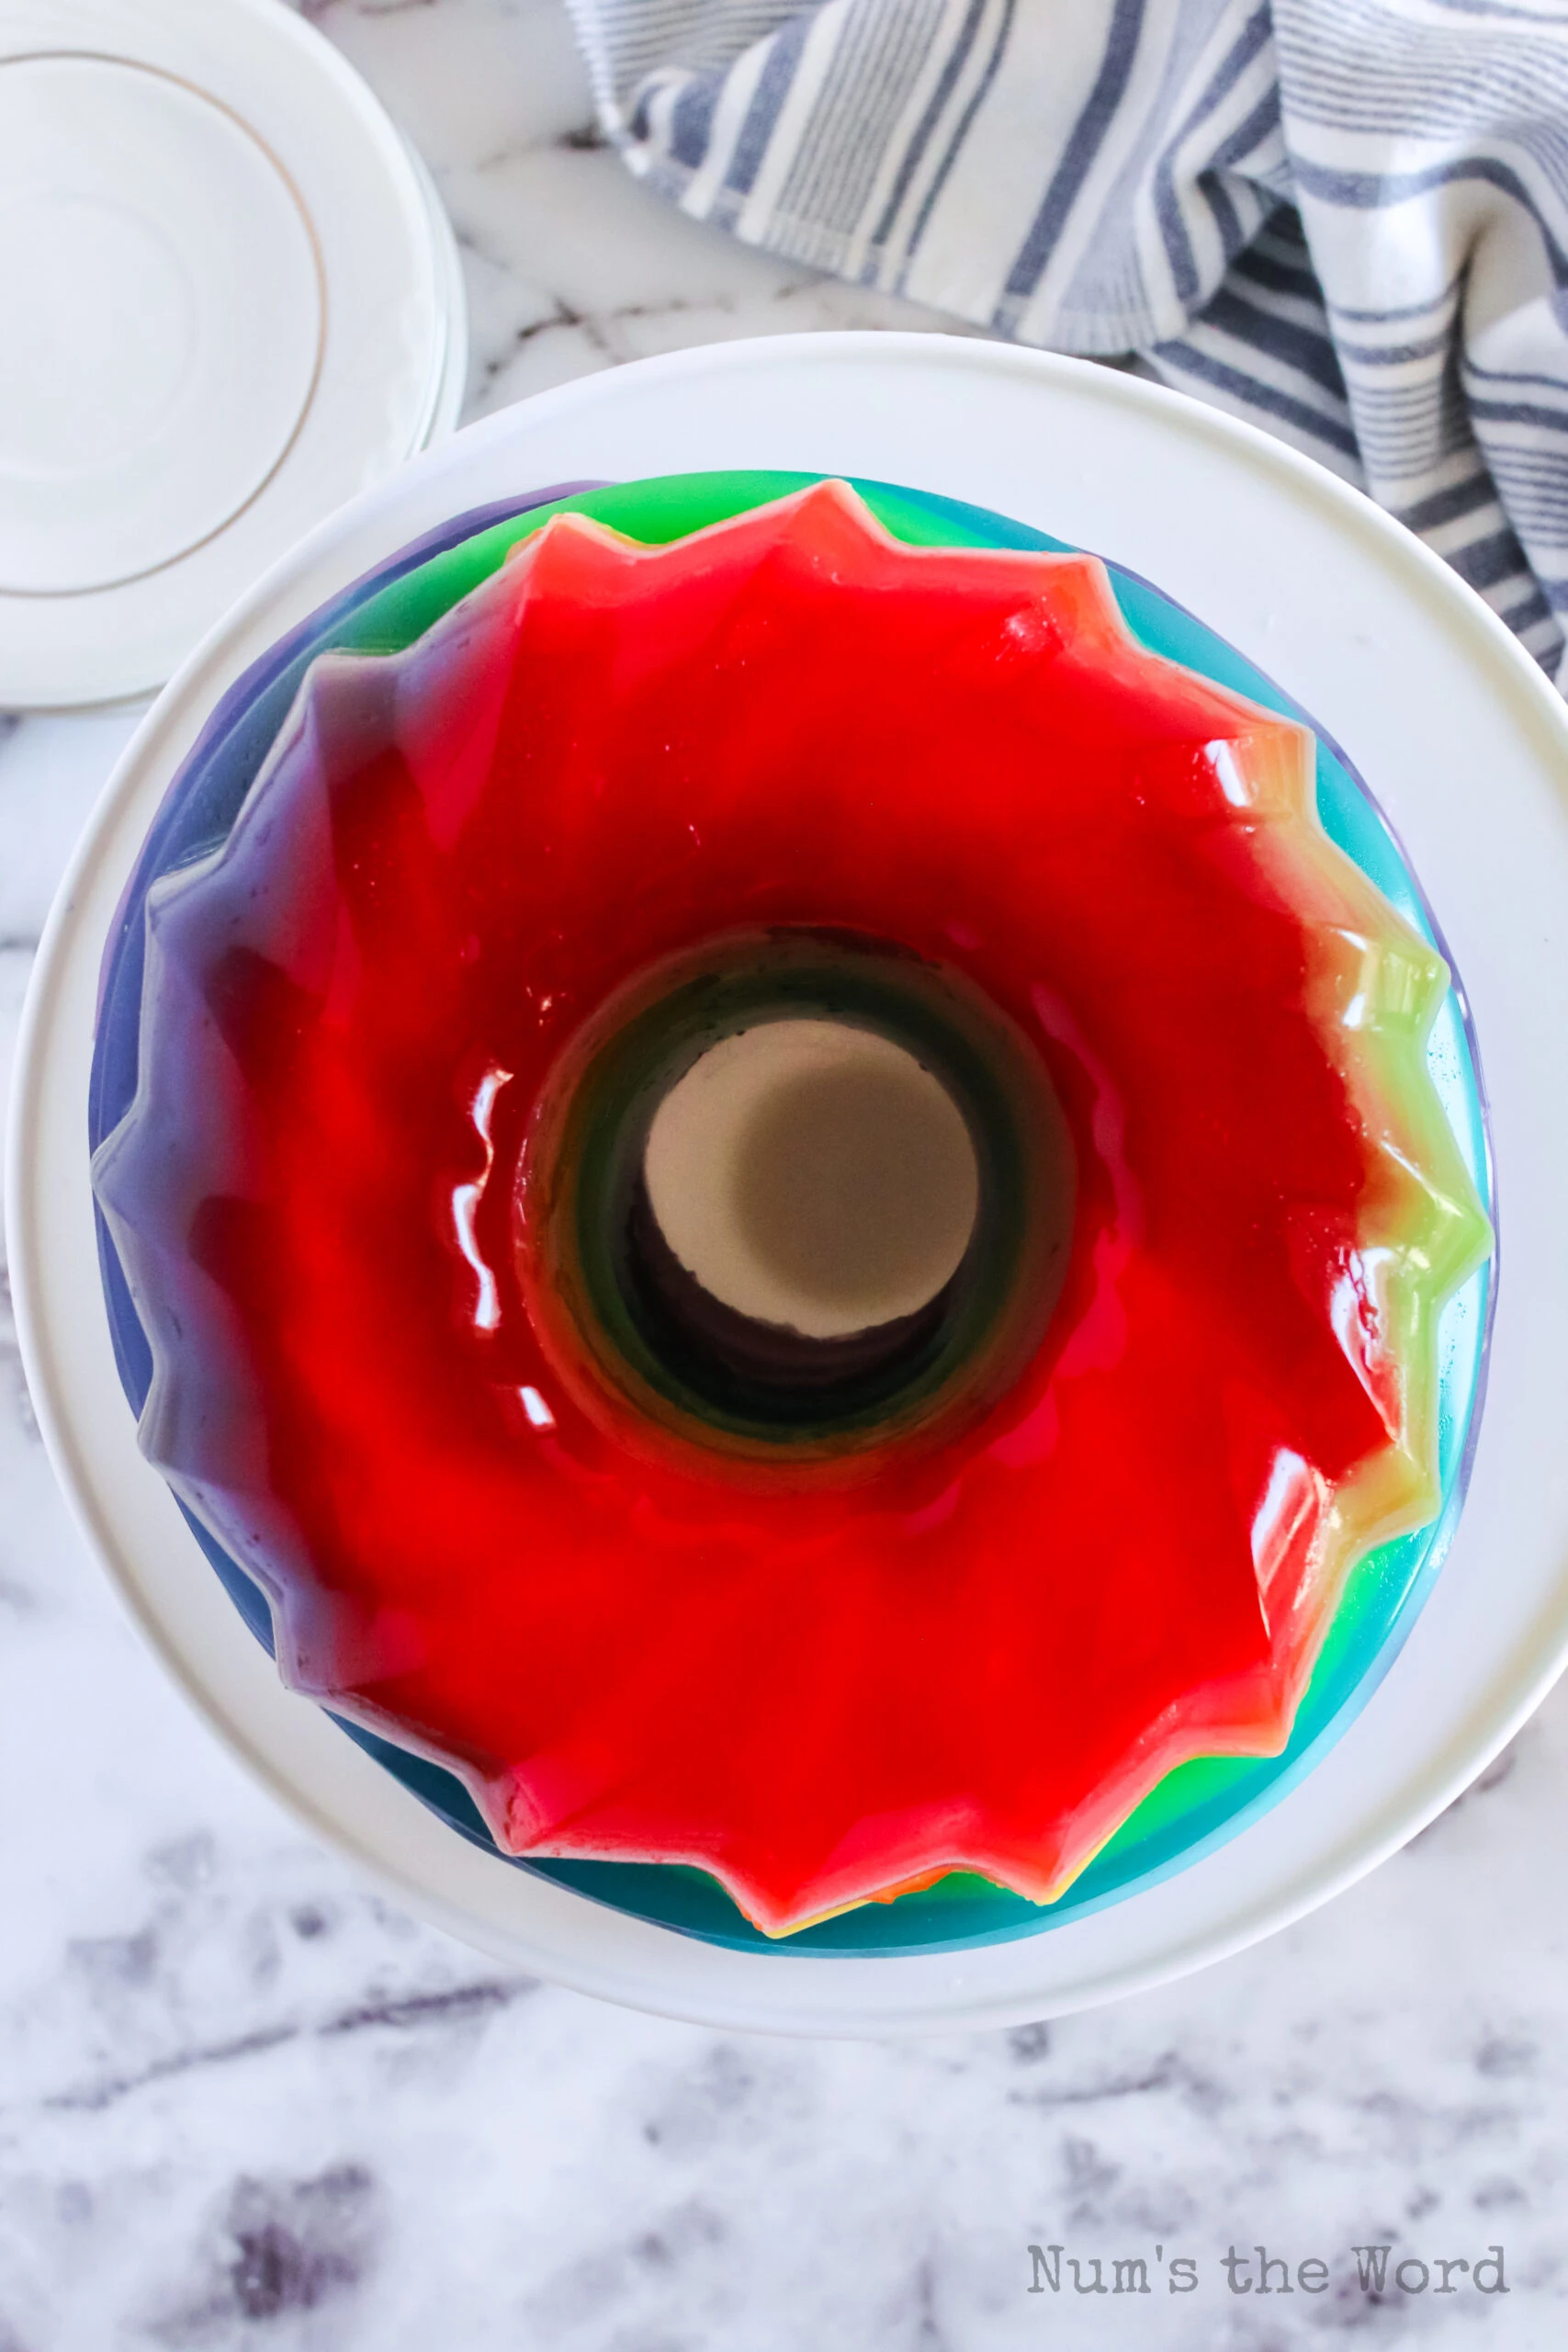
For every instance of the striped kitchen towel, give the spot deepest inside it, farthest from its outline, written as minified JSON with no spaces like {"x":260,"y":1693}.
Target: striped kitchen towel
{"x":1346,"y":220}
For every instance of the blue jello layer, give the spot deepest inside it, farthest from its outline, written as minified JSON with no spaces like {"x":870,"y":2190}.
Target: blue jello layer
{"x":1194,"y":1809}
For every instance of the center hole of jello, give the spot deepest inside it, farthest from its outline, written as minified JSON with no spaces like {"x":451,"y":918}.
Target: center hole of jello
{"x":814,"y":1175}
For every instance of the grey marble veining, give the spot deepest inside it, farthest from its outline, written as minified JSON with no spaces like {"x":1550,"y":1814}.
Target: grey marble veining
{"x":245,"y":2102}
{"x":571,"y":265}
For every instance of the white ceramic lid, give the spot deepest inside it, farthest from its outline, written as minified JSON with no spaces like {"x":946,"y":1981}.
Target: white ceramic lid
{"x":230,"y":301}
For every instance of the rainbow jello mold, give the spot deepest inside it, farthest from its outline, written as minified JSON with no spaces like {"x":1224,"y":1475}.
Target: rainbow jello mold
{"x":184,"y":1159}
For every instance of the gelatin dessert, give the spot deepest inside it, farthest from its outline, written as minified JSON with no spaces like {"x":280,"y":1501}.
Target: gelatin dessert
{"x":786,"y":1200}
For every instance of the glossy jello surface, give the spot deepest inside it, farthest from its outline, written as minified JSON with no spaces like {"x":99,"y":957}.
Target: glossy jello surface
{"x":968,"y":1629}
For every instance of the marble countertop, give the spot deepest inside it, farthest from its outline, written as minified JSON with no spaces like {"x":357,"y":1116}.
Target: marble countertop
{"x":244,"y":2101}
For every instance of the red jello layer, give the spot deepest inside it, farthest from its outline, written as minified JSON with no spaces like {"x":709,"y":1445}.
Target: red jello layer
{"x":982,"y":1650}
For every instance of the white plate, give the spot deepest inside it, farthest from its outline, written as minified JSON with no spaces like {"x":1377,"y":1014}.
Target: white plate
{"x":1467,"y":747}
{"x":231,"y":301}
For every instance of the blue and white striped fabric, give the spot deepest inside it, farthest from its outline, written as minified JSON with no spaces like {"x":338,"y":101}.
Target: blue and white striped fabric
{"x":1343,"y":220}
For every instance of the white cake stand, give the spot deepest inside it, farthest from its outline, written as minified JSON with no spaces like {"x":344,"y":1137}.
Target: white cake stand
{"x":1465,"y":745}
